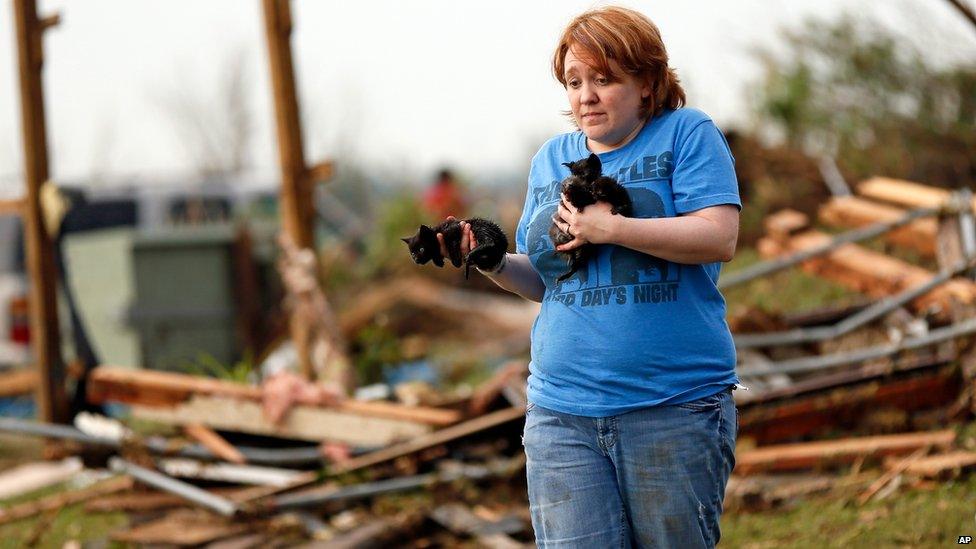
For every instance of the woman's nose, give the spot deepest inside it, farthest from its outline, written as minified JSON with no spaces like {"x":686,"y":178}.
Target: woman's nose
{"x":588,"y":94}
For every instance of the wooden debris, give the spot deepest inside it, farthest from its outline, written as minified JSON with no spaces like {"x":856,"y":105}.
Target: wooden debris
{"x":770,"y":491}
{"x":433,"y":439}
{"x":182,"y":527}
{"x":18,"y":382}
{"x":877,"y":274}
{"x":214,"y":442}
{"x":513,"y":371}
{"x":246,"y":541}
{"x":905,"y":193}
{"x":376,"y":533}
{"x":884,"y":479}
{"x":854,"y":212}
{"x":941,"y":466}
{"x":154,"y":388}
{"x":34,"y":476}
{"x":303,"y":422}
{"x":782,"y":224}
{"x":63,"y":499}
{"x":821,"y":453}
{"x":459,"y":519}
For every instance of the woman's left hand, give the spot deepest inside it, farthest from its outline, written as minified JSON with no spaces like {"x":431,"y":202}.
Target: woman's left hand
{"x":594,"y":224}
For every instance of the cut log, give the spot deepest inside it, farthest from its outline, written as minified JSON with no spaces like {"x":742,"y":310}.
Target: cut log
{"x":853,"y":212}
{"x":154,"y":388}
{"x":832,"y":452}
{"x":904,"y":193}
{"x":63,"y":499}
{"x":302,"y":422}
{"x":879,"y":275}
{"x":942,"y":466}
{"x":439,"y":437}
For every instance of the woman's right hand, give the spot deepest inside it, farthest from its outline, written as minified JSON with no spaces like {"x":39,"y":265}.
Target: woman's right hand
{"x":468,"y":241}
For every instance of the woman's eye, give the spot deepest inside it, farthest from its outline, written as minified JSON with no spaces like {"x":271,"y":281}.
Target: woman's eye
{"x":573,"y":84}
{"x":601,"y":80}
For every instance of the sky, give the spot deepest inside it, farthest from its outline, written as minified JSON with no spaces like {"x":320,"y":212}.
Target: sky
{"x":131,"y":84}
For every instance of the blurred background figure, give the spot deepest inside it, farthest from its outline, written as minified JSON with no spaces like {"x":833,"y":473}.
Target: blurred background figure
{"x":444,"y":197}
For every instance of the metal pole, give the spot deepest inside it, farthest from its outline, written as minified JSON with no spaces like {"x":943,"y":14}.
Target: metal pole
{"x":856,"y":235}
{"x":188,"y":491}
{"x":852,"y":322}
{"x":811,"y":364}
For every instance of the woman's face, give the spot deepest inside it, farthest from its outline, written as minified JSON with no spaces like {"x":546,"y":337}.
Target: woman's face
{"x":607,"y":111}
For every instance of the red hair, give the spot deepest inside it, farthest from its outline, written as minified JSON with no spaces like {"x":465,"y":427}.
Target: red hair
{"x":634,"y":42}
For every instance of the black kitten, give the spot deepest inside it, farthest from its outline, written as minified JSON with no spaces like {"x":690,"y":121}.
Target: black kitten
{"x":492,"y":244}
{"x":584,"y":186}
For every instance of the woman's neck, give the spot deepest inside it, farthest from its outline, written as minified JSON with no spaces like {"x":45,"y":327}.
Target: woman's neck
{"x":598,"y":147}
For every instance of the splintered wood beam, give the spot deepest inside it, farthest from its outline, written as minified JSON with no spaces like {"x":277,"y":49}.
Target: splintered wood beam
{"x":51,"y":396}
{"x":161,"y":389}
{"x":832,"y":452}
{"x":854,"y":212}
{"x":904,"y":193}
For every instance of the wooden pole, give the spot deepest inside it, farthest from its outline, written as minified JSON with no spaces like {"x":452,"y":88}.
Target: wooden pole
{"x":296,"y":192}
{"x":297,"y":180}
{"x":51,"y":400}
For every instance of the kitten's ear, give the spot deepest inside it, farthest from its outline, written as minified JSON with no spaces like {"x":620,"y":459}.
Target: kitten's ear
{"x":568,"y":165}
{"x":407,"y":240}
{"x":593,"y":162}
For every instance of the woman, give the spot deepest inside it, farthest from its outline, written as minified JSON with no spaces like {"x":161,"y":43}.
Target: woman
{"x":630,"y":428}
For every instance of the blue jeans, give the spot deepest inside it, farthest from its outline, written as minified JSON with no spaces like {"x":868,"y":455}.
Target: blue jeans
{"x":653,"y":477}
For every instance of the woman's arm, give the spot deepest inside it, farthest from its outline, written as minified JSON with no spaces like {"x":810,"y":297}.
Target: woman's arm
{"x":516,"y":273}
{"x":519,"y":277}
{"x":703,"y":236}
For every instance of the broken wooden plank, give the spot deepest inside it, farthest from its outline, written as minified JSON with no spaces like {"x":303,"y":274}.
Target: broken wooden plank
{"x":790,"y":415}
{"x":853,"y":212}
{"x":941,"y":466}
{"x":433,"y":439}
{"x":182,"y":527}
{"x":215,"y":443}
{"x":63,"y":499}
{"x":302,"y":422}
{"x":811,"y":454}
{"x":155,"y":388}
{"x":18,"y":382}
{"x":34,"y":476}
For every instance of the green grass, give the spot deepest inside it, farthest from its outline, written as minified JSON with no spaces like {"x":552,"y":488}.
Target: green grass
{"x":68,"y":523}
{"x":789,"y":290}
{"x":915,"y":518}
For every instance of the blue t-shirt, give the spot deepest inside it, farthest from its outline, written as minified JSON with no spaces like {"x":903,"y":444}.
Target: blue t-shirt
{"x":630,"y":330}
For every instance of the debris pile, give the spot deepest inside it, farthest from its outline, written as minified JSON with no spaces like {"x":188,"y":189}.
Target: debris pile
{"x":237,"y":468}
